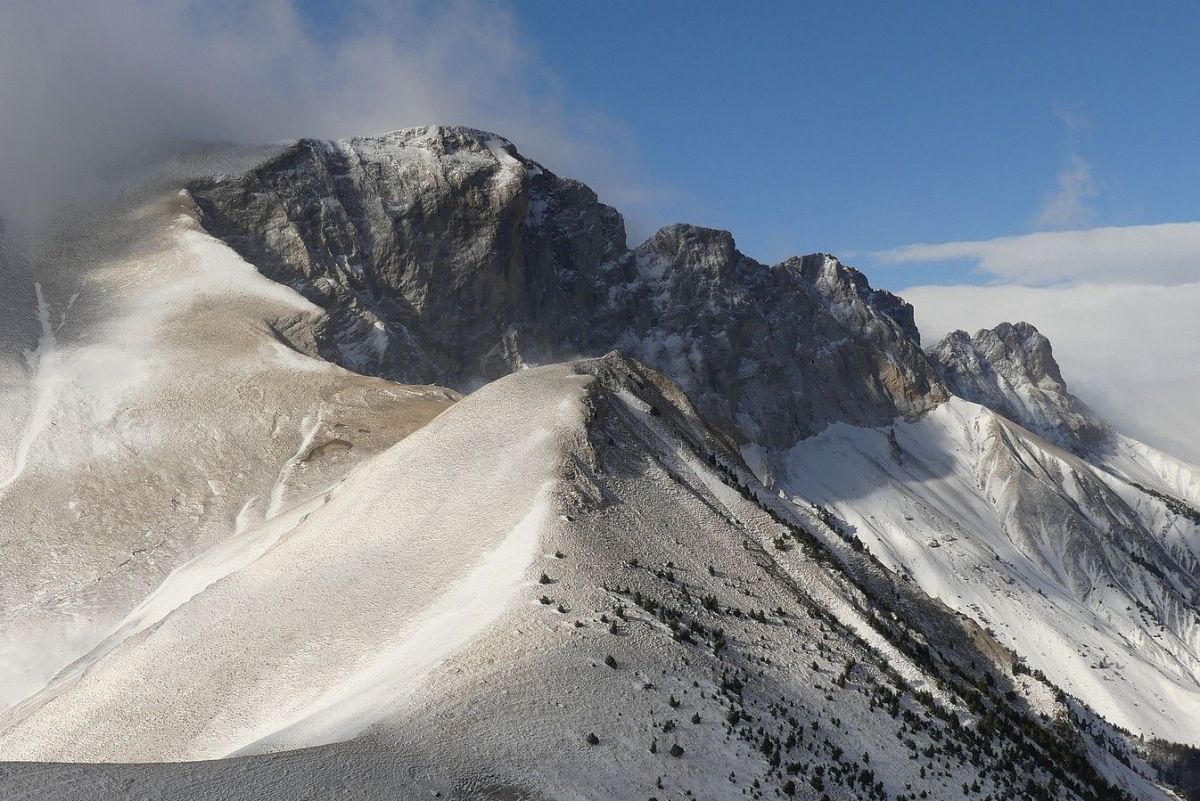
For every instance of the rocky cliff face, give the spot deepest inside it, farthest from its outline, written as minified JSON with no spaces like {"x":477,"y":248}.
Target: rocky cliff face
{"x":777,"y":352}
{"x":443,"y":255}
{"x":438,"y":253}
{"x":250,"y":583}
{"x":1011,"y":369}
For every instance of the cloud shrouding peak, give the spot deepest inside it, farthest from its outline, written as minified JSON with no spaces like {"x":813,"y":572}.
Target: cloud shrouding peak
{"x":86,"y":87}
{"x":1118,"y":303}
{"x":1168,"y":253}
{"x":1132,"y":352}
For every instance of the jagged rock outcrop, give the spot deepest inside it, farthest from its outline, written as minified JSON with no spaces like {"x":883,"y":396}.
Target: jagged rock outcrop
{"x":438,"y":253}
{"x":1011,"y":369}
{"x":443,"y":255}
{"x":251,"y":583}
{"x":776,"y":352}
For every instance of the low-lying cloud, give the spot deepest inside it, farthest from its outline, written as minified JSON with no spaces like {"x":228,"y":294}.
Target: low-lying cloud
{"x":87,"y":87}
{"x":1118,"y":303}
{"x":1168,"y":253}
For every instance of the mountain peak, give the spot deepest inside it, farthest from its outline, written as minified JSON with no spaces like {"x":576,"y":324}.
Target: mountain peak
{"x":1021,"y":340}
{"x":1011,"y":369}
{"x":442,"y":139}
{"x":440,"y":255}
{"x":695,"y":248}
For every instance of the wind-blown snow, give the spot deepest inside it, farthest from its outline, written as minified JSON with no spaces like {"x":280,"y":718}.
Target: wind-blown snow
{"x":275,"y":647}
{"x":309,"y":428}
{"x":474,"y":603}
{"x":42,"y":363}
{"x":156,"y":413}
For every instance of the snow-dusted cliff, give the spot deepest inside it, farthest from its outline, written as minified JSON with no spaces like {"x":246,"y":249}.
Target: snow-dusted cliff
{"x":796,"y":554}
{"x":443,"y":255}
{"x":1011,"y":370}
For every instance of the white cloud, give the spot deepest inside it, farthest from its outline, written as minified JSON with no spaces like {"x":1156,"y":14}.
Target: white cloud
{"x":1068,"y":205}
{"x":1119,"y":304}
{"x":1168,"y":253}
{"x":86,"y":86}
{"x":1130,"y":351}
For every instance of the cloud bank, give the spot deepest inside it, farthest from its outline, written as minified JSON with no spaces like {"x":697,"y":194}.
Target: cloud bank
{"x":1168,"y":253}
{"x":88,"y":86}
{"x":1119,"y":304}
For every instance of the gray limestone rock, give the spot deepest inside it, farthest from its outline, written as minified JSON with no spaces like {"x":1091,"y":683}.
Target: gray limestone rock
{"x":444,"y":256}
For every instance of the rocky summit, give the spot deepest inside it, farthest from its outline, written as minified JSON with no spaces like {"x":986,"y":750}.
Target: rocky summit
{"x":385,"y":468}
{"x":1011,"y":369}
{"x":442,"y":255}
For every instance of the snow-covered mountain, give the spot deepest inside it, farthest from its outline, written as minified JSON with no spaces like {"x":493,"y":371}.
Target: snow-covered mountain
{"x":152,"y":412}
{"x":1091,"y":579}
{"x":444,"y":256}
{"x":1011,"y":370}
{"x":702,"y":527}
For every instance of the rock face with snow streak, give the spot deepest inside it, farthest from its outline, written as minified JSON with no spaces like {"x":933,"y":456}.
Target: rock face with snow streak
{"x":439,"y":253}
{"x":1011,"y":369}
{"x":543,"y":630}
{"x":443,"y":255}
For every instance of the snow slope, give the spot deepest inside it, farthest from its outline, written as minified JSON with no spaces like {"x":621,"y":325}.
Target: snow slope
{"x":301,"y":645}
{"x":158,"y":409}
{"x":569,"y":551}
{"x":1089,"y":579}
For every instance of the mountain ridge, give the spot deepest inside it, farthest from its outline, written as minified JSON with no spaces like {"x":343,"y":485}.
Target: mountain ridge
{"x":656,"y":603}
{"x":765,"y":506}
{"x":532,"y":268}
{"x":773,"y":355}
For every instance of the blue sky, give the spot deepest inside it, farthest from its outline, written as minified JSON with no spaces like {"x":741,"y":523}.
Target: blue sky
{"x":859,"y":127}
{"x":855,"y":127}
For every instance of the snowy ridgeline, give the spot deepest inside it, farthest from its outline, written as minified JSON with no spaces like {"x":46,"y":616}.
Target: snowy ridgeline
{"x":1074,"y":566}
{"x":640,"y":615}
{"x":567,"y":583}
